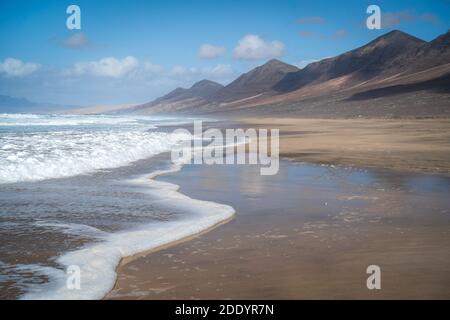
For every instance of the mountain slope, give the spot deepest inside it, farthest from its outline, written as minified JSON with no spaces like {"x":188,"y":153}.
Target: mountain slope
{"x":394,"y":75}
{"x":362,"y":63}
{"x":428,"y":55}
{"x":21,"y":105}
{"x":201,"y":89}
{"x":257,"y":81}
{"x":9,"y":104}
{"x":199,"y":93}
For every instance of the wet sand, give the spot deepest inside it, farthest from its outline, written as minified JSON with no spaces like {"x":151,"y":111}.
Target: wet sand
{"x":308,"y":232}
{"x":412,"y":145}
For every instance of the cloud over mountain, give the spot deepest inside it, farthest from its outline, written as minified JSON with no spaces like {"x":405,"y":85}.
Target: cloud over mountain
{"x":17,"y":68}
{"x":253,"y":47}
{"x":106,"y":67}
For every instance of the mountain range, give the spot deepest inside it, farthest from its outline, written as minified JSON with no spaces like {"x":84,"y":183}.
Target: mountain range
{"x":10,"y":104}
{"x":396,"y":74}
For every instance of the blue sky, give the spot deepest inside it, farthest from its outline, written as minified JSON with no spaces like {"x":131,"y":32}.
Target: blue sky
{"x":134,"y":51}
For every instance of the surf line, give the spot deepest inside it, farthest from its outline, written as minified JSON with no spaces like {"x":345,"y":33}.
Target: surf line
{"x":98,"y":262}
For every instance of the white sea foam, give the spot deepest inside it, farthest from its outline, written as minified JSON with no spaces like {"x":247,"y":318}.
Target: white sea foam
{"x":18,"y":119}
{"x":55,"y":153}
{"x":98,"y":262}
{"x":35,"y":147}
{"x":62,"y":154}
{"x":60,"y":120}
{"x":19,"y":115}
{"x":73,"y":228}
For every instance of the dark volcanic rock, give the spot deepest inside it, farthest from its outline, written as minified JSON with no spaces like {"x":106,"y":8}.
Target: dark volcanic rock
{"x":363,"y":63}
{"x":256,"y":81}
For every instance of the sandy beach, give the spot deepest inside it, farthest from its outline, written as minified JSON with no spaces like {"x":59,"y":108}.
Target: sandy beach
{"x":411,"y":145}
{"x":311,"y":231}
{"x":378,"y":198}
{"x":149,"y":151}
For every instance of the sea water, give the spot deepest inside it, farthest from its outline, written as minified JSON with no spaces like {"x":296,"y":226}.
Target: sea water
{"x":78,"y":191}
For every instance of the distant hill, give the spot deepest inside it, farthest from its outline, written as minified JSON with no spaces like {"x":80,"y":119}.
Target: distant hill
{"x":199,"y":93}
{"x":394,"y":75}
{"x":428,"y":55}
{"x":201,"y":89}
{"x":10,"y":105}
{"x":99,"y":109}
{"x":257,"y":81}
{"x":362,"y":64}
{"x":21,"y":105}
{"x":253,"y":83}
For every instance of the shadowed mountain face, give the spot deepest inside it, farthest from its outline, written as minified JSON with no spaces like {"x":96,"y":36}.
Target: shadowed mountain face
{"x":201,"y":89}
{"x":394,"y":75}
{"x":10,"y":104}
{"x":257,"y":81}
{"x":363,"y":63}
{"x":197,"y":94}
{"x":18,"y":105}
{"x":430,"y":54}
{"x":439,"y":85}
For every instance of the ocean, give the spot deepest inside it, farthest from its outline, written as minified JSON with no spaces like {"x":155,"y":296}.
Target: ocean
{"x":77,"y":192}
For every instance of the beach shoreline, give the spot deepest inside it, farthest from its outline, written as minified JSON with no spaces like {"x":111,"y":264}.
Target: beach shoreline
{"x":158,"y":276}
{"x":136,"y":280}
{"x":409,"y":145}
{"x":406,"y":145}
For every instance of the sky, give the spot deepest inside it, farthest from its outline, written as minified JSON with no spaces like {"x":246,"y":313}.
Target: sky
{"x":134,"y":51}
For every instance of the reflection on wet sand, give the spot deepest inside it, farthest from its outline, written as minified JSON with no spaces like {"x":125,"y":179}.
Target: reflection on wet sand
{"x":308,"y":232}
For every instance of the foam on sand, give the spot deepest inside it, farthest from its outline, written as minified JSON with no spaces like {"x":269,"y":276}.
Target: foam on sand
{"x":98,"y":262}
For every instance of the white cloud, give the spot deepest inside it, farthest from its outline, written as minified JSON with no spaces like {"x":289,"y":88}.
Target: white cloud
{"x":17,"y":68}
{"x":109,"y":80}
{"x":215,"y":72}
{"x":106,"y":67}
{"x":252,"y":47}
{"x":209,"y":51}
{"x":153,"y":68}
{"x":146,"y":71}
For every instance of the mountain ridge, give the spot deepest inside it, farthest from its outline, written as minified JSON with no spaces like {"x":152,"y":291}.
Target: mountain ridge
{"x":366,"y":61}
{"x":392,"y":59}
{"x":197,"y":93}
{"x":9,"y":104}
{"x":256,"y":81}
